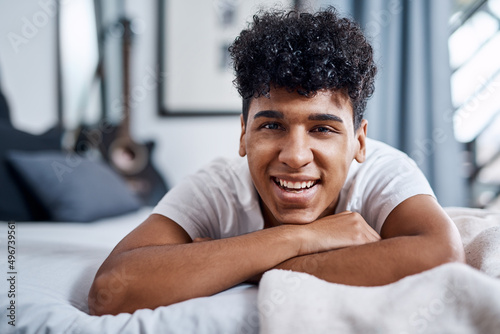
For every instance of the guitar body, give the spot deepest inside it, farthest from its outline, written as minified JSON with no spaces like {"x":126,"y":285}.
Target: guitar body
{"x":147,"y":183}
{"x":129,"y":159}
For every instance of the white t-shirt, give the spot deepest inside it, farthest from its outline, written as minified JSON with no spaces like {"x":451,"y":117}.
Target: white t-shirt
{"x":220,"y":200}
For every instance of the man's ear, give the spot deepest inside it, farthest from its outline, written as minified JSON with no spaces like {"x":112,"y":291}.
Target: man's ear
{"x":361,"y":139}
{"x":242,"y":150}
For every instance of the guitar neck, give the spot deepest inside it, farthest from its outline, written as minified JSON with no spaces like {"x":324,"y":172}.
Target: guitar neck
{"x":124,"y":128}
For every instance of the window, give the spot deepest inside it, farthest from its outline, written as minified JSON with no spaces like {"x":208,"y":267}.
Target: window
{"x":474,"y":45}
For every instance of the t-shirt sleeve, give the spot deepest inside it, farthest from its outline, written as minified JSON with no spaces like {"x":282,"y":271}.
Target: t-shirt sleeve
{"x":218,"y":201}
{"x":386,"y":180}
{"x":193,"y":204}
{"x":401,"y":180}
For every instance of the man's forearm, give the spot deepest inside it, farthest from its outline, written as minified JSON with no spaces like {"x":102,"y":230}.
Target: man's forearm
{"x":152,"y":276}
{"x":376,"y":263}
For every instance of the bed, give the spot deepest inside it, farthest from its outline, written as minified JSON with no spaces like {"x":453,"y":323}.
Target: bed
{"x":55,"y":263}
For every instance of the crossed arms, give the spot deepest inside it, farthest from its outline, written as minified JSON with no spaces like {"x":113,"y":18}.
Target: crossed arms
{"x":158,"y":264}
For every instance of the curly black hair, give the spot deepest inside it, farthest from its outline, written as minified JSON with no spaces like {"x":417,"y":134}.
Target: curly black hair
{"x":304,"y":52}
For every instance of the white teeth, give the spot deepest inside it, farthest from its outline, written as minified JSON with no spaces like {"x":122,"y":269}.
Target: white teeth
{"x":296,"y":185}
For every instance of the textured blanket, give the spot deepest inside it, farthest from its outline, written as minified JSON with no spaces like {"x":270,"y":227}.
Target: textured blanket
{"x":452,"y":298}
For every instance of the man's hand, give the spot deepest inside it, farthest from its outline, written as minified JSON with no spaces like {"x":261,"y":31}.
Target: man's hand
{"x":331,"y":232}
{"x":336,"y":231}
{"x":416,"y":236}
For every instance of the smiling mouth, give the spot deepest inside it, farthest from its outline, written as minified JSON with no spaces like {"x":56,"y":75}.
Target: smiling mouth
{"x":291,"y":186}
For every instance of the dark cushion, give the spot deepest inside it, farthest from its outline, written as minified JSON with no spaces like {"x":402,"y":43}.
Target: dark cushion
{"x":15,"y":203}
{"x":73,"y":188}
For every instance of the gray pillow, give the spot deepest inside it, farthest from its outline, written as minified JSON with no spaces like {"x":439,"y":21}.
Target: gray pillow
{"x":16,"y":202}
{"x":73,"y":188}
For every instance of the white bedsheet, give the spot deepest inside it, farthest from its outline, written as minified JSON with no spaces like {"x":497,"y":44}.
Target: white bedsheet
{"x":56,"y":263}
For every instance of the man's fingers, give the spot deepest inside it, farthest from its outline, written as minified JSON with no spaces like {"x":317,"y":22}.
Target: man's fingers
{"x":370,"y":231}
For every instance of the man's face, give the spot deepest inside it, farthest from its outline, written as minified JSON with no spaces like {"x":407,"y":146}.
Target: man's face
{"x":299,"y":150}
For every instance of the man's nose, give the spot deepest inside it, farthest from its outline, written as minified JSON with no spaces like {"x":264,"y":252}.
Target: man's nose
{"x":296,"y":150}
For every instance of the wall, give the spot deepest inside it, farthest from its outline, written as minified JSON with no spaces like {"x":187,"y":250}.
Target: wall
{"x":28,"y":78}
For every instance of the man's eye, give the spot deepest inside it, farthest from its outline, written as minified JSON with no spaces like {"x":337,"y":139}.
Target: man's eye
{"x":322,"y":129}
{"x":271,"y":126}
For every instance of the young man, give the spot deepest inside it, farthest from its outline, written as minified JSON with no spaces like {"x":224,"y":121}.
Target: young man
{"x":313,"y":194}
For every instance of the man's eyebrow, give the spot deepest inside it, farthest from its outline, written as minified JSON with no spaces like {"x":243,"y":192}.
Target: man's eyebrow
{"x":325,"y":117}
{"x":269,"y":114}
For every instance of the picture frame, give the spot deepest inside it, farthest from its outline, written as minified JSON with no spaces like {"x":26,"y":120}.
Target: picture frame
{"x":195,"y":72}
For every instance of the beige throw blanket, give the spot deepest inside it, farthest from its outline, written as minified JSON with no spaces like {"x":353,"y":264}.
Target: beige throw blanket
{"x":452,"y":298}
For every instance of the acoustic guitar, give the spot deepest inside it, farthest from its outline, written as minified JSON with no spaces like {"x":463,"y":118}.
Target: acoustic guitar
{"x":133,"y":160}
{"x":130,"y":159}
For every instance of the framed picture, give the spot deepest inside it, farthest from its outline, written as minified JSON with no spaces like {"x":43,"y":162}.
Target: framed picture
{"x":196,"y":77}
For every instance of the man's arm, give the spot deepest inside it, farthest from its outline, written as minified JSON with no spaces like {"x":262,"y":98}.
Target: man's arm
{"x":158,"y":264}
{"x":417,"y":235}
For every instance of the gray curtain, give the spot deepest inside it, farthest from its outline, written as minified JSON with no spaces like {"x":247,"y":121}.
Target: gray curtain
{"x":411,"y":108}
